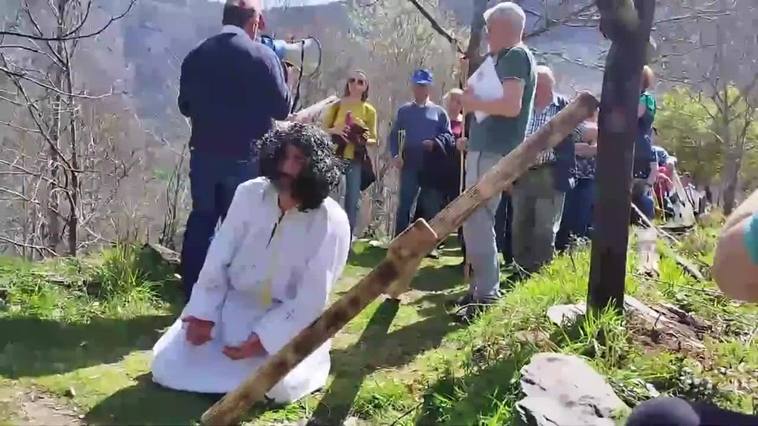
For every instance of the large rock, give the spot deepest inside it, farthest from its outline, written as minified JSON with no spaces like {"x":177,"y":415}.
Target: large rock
{"x":563,"y":390}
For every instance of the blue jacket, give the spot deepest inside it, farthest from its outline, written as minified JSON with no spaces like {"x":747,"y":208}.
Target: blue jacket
{"x":428,"y":122}
{"x":232,"y":88}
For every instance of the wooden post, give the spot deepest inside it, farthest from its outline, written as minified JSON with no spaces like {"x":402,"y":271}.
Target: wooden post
{"x":403,"y":256}
{"x":628,"y":27}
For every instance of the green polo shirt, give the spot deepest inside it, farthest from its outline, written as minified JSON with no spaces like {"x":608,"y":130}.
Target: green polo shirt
{"x":498,"y":134}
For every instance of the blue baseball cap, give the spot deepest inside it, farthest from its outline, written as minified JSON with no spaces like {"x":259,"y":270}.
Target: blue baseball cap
{"x":422,"y":77}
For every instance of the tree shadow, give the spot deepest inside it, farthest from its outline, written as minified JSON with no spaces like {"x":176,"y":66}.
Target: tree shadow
{"x":437,"y":277}
{"x":37,"y":347}
{"x":149,"y":403}
{"x":376,"y":349}
{"x":477,"y":395}
{"x":364,"y":255}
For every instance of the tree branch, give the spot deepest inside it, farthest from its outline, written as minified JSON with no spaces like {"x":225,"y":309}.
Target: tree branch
{"x":23,"y":76}
{"x":550,"y":24}
{"x":72,"y":35}
{"x":437,"y":27}
{"x":39,"y":249}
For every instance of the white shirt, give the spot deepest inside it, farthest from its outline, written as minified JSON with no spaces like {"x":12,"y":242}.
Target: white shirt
{"x":265,"y":273}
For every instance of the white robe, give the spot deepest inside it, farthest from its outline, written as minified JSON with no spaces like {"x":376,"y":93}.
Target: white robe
{"x":300,"y":258}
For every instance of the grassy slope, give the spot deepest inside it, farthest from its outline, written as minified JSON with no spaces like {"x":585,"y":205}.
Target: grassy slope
{"x":405,"y":362}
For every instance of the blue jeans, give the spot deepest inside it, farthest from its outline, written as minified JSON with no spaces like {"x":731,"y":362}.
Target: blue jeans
{"x":642,"y":197}
{"x":430,"y":200}
{"x":577,"y":213}
{"x":353,"y":193}
{"x":503,"y":228}
{"x":213,"y":181}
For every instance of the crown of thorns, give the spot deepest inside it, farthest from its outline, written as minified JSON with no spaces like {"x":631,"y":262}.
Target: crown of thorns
{"x":322,"y":170}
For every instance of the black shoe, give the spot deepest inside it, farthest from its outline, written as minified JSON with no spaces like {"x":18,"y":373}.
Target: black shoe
{"x":460,"y":302}
{"x":434,"y":254}
{"x":469,"y":313}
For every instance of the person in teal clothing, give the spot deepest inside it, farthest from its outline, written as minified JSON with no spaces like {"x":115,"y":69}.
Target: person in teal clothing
{"x":490,"y":140}
{"x":735,"y":264}
{"x":645,"y":170}
{"x":735,"y":270}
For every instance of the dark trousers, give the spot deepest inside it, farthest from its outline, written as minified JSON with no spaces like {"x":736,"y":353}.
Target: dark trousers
{"x":678,"y":412}
{"x":428,"y":200}
{"x":503,"y":228}
{"x":577,"y":214}
{"x":213,"y":181}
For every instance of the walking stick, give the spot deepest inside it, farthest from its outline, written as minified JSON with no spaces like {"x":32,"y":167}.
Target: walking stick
{"x":468,"y":270}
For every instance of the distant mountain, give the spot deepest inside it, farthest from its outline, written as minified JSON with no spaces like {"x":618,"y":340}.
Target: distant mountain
{"x":143,"y":52}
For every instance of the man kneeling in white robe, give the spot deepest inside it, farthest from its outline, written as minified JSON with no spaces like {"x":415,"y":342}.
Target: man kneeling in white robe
{"x":267,"y":276}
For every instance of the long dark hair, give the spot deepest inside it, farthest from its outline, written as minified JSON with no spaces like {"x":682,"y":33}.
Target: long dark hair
{"x":322,"y":170}
{"x":364,"y":95}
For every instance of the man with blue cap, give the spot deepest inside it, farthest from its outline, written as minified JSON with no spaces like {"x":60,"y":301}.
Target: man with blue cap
{"x":420,"y":140}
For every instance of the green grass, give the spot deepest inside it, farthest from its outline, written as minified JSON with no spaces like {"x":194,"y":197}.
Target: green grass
{"x":87,"y":337}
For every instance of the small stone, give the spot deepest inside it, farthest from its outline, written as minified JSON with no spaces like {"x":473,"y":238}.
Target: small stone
{"x":70,"y":392}
{"x":564,"y":390}
{"x":562,"y":315}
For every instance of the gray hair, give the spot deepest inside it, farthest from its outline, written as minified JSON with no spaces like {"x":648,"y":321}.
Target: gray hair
{"x":449,"y":94}
{"x":546,"y":70}
{"x":509,"y":11}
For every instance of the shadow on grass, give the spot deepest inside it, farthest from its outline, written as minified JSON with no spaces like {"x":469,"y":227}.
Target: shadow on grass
{"x":478,"y":396}
{"x":38,"y":347}
{"x":148,"y":403}
{"x":376,"y":349}
{"x":437,"y":277}
{"x":365,"y":255}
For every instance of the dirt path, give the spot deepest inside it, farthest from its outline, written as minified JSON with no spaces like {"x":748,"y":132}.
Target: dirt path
{"x":30,"y":407}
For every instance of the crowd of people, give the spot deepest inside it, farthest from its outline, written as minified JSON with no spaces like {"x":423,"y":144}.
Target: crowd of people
{"x":283,"y":241}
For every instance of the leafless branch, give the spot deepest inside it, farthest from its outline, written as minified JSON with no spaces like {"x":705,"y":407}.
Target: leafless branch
{"x":700,"y":14}
{"x":23,"y":76}
{"x":71,"y":35}
{"x":16,"y":127}
{"x":437,"y":27}
{"x":39,"y":249}
{"x":552,"y":23}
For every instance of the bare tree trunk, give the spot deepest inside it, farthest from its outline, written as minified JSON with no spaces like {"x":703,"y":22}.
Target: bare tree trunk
{"x":730,"y":170}
{"x":629,"y":31}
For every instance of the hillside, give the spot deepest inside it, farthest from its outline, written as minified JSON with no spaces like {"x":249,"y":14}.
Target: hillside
{"x":78,"y":334}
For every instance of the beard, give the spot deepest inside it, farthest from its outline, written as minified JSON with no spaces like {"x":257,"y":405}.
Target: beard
{"x":283,"y":182}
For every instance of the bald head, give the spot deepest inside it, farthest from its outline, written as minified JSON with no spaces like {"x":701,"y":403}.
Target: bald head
{"x":244,"y":14}
{"x":543,"y":95}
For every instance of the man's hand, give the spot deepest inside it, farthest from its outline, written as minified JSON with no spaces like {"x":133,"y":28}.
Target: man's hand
{"x":250,"y":348}
{"x":428,"y":144}
{"x":397,"y":162}
{"x":292,"y":76}
{"x":585,"y":150}
{"x":461,"y":144}
{"x":339,"y":131}
{"x":198,"y":331}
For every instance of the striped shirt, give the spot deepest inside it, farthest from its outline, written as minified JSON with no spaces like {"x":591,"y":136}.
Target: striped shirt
{"x":539,"y":118}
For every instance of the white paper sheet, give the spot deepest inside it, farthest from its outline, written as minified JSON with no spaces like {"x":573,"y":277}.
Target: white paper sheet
{"x":485,"y":84}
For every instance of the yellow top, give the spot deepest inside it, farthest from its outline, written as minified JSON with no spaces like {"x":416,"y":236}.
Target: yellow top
{"x":363,"y":113}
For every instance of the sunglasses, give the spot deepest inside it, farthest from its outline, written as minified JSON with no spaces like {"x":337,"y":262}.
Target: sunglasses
{"x":359,"y":81}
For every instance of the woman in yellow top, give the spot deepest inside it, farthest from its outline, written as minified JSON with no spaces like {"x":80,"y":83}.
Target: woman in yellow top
{"x":354,"y":103}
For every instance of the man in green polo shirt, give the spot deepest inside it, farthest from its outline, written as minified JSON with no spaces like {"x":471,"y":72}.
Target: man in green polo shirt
{"x":491,"y":139}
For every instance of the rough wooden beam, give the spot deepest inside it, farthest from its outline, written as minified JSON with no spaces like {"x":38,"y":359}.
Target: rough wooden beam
{"x":618,"y":131}
{"x":402,"y":258}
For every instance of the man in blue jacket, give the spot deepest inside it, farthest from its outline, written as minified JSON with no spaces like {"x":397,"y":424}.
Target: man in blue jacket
{"x":419,"y":141}
{"x":231,"y":88}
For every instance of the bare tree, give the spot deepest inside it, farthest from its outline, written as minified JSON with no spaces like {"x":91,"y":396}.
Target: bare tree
{"x":38,"y":56}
